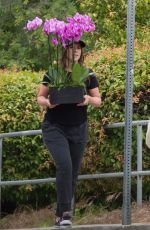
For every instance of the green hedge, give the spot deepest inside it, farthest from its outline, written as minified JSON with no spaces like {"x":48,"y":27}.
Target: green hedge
{"x":23,"y":157}
{"x":105,"y":151}
{"x":26,"y":158}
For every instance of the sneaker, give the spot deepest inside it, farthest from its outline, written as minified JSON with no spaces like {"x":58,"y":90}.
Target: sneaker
{"x":66,"y":219}
{"x":57,"y":222}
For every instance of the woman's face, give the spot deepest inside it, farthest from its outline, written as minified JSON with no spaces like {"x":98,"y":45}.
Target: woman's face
{"x":77,"y":52}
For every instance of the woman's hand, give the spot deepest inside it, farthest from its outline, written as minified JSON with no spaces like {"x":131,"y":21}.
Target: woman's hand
{"x":44,"y":102}
{"x":49,"y":105}
{"x":42,"y":97}
{"x":93,"y":98}
{"x":86,"y":101}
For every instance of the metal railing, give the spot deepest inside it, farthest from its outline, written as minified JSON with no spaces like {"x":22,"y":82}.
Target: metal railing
{"x":139,"y":173}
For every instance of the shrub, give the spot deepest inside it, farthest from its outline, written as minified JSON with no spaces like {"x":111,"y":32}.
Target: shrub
{"x":23,"y":157}
{"x":106,"y":147}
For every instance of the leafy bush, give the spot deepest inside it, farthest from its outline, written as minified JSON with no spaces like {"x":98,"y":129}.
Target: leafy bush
{"x":106,"y":147}
{"x":23,"y":157}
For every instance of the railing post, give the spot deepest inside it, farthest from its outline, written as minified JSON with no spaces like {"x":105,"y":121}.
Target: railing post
{"x":139,"y":165}
{"x":1,"y":141}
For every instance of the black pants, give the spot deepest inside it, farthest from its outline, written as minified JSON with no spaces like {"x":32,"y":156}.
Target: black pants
{"x":66,"y":145}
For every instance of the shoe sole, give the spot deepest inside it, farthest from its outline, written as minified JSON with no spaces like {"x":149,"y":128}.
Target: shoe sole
{"x":66,"y":226}
{"x":63,"y":227}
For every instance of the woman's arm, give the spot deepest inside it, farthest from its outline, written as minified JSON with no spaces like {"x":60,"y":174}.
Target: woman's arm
{"x":93,"y":98}
{"x":42,"y":97}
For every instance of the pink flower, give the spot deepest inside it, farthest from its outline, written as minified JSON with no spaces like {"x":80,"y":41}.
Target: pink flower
{"x":34,"y":24}
{"x":84,"y":21}
{"x":70,"y":20}
{"x":60,"y":27}
{"x":53,"y":26}
{"x":70,"y":31}
{"x":55,"y":41}
{"x":49,"y":26}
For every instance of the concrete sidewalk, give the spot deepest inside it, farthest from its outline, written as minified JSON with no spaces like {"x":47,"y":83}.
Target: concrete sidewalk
{"x":99,"y":227}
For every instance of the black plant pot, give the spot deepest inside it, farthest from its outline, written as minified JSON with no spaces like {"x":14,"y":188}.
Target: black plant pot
{"x":66,"y":95}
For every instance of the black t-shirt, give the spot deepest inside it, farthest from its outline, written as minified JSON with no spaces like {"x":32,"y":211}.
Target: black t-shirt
{"x":70,"y":114}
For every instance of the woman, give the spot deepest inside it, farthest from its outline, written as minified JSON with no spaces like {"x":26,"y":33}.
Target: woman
{"x":65,"y":133}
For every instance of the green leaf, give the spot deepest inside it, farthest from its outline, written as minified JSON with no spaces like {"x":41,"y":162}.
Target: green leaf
{"x":84,"y":73}
{"x":76,"y":73}
{"x":79,"y":73}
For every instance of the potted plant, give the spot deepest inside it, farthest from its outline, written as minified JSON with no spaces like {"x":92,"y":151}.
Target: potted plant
{"x":64,"y":87}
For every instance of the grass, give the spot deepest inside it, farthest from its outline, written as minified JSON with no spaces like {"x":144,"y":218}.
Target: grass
{"x":28,"y":218}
